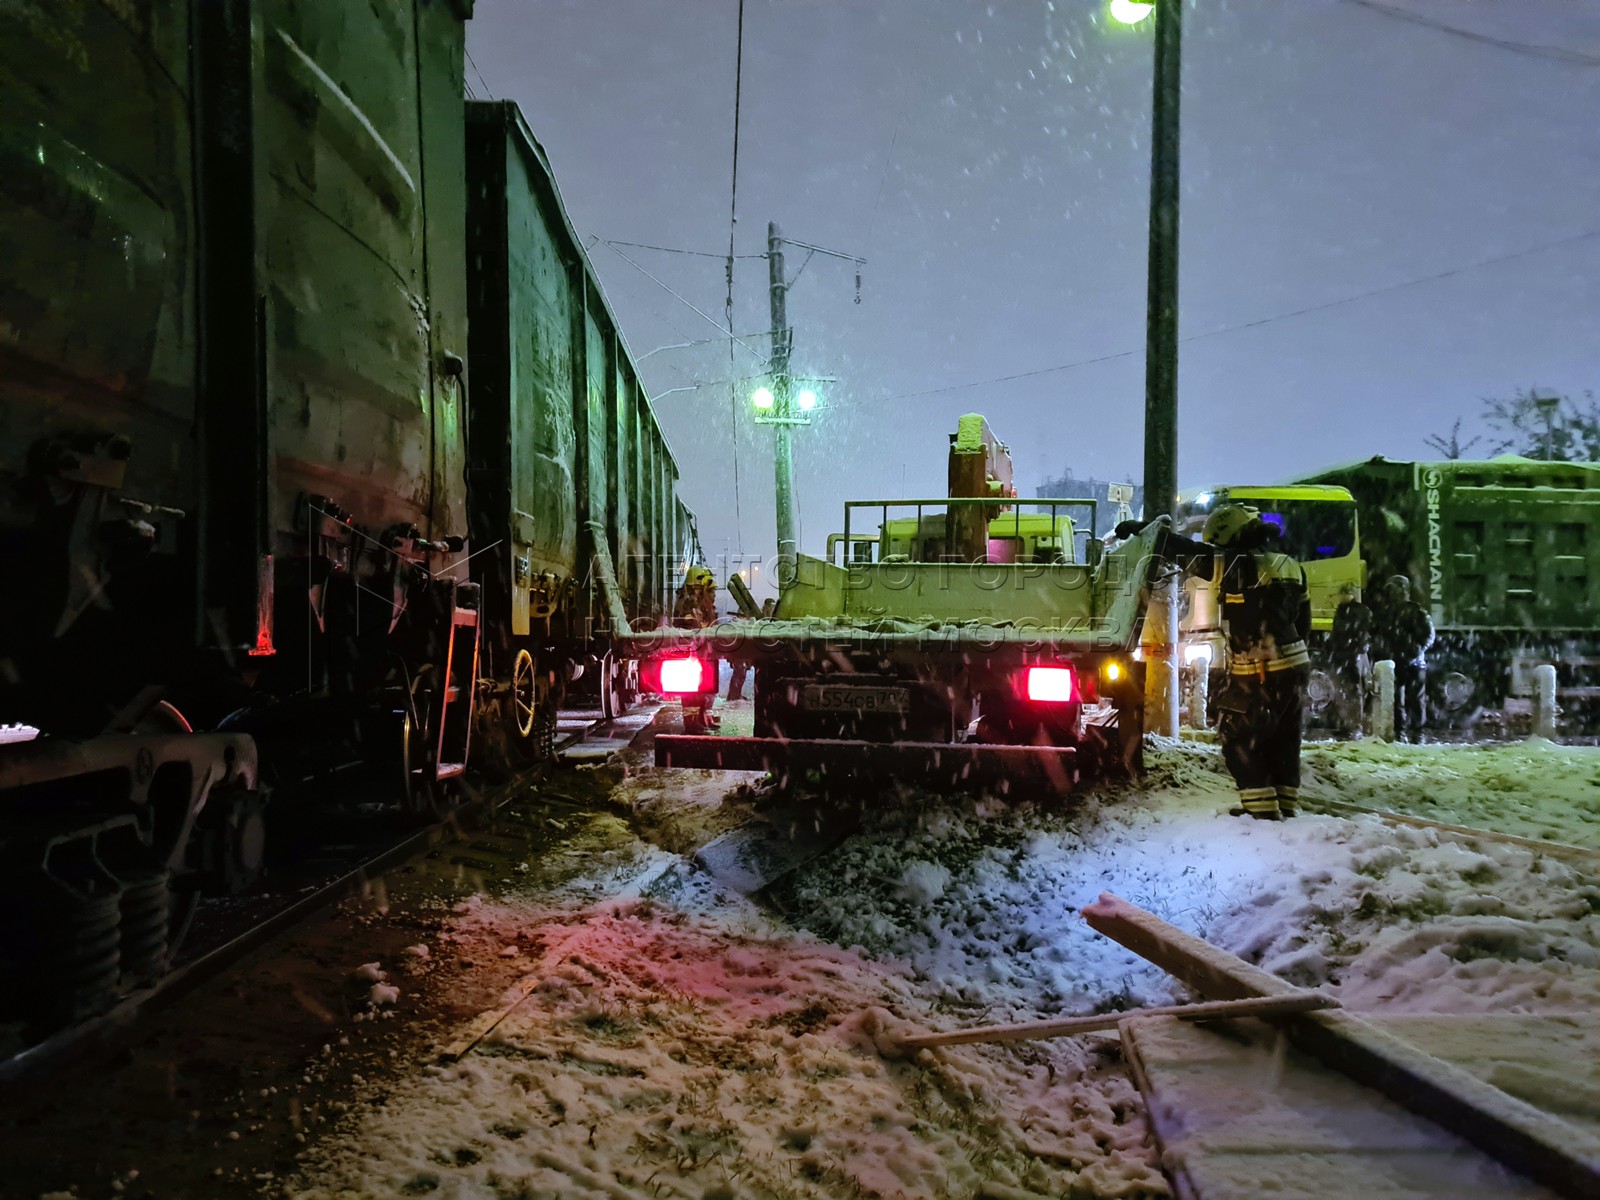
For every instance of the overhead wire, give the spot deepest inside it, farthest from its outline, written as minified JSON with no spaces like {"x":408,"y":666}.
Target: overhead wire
{"x":681,"y":299}
{"x":1559,"y":54}
{"x":1260,"y":321}
{"x":888,"y":157}
{"x":676,"y":249}
{"x":733,"y":226}
{"x":487,"y":91}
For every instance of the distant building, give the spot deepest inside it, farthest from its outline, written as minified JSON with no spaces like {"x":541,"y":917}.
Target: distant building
{"x":1071,"y":487}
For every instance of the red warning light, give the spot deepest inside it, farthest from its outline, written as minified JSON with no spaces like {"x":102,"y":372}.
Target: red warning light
{"x":1052,"y":685}
{"x":680,"y":676}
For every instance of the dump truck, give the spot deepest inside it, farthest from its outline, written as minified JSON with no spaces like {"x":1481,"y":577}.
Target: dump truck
{"x":950,"y":640}
{"x":1504,"y":553}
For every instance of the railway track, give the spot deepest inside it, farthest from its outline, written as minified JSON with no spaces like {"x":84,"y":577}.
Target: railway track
{"x":331,"y":874}
{"x":1340,"y":808}
{"x":582,"y":736}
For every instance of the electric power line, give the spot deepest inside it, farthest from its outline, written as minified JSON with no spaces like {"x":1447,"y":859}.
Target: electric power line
{"x":1560,"y":54}
{"x":675,"y":249}
{"x":1260,"y":321}
{"x":733,"y":225}
{"x":681,"y":299}
{"x":486,"y":89}
{"x":888,"y":157}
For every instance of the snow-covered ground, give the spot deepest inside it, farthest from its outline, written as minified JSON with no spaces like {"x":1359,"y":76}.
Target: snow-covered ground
{"x":679,"y":1041}
{"x":1533,"y":789}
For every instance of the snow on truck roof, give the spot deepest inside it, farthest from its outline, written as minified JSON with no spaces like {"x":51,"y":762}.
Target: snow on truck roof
{"x":1261,"y":491}
{"x":1500,"y":462}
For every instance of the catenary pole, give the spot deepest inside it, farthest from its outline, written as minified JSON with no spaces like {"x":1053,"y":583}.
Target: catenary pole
{"x":783,"y":452}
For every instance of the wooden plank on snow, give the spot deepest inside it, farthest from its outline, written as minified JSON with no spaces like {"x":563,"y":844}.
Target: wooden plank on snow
{"x":1239,"y":1113}
{"x":1535,"y":1143}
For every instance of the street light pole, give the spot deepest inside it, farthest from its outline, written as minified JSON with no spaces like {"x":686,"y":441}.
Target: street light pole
{"x":783,"y":452}
{"x":1161,"y":317}
{"x":1160,"y":635}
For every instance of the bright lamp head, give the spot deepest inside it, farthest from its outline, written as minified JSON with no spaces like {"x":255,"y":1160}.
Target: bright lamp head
{"x":807,"y":400}
{"x":1131,"y":12}
{"x":762,"y":398}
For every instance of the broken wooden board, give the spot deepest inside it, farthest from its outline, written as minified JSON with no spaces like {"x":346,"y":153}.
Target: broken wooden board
{"x":1022,"y":1031}
{"x":482,"y":1025}
{"x":1465,"y":833}
{"x":1523,"y":1137}
{"x":1240,"y":1114}
{"x":1549,"y":1061}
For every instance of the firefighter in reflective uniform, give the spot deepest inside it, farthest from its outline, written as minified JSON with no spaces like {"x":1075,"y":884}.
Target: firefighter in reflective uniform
{"x":1267,"y":616}
{"x":696,"y":608}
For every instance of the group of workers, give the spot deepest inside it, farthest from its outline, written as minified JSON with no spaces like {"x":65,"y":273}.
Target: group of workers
{"x":1266,"y":614}
{"x":1393,"y":627}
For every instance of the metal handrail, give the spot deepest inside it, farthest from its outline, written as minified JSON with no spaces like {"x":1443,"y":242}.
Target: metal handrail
{"x":1054,"y":504}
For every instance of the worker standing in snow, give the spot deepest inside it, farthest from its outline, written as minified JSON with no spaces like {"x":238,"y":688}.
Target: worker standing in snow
{"x":1404,"y":633}
{"x":1350,"y":656}
{"x":1267,"y":616}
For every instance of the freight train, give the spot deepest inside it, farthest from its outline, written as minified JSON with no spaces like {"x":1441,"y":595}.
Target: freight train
{"x":321,"y":454}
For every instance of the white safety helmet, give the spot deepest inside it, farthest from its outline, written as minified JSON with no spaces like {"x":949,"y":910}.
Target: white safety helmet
{"x":1228,"y":522}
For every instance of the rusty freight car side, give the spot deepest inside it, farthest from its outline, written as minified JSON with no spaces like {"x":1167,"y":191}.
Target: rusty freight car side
{"x":361,"y":285}
{"x":565,"y":455}
{"x":272,"y":516}
{"x":98,"y":336}
{"x":232,"y":344}
{"x":235,"y":321}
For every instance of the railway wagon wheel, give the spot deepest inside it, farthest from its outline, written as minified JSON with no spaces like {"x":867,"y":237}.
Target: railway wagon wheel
{"x":619,"y":686}
{"x":524,"y":695}
{"x":534,"y":700}
{"x":425,"y":797}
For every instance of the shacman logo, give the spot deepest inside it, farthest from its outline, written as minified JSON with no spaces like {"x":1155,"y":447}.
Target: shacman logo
{"x":1432,"y":478}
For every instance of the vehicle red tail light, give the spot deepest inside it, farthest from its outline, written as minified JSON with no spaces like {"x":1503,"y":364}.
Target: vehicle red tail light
{"x":680,"y":676}
{"x":1052,"y":685}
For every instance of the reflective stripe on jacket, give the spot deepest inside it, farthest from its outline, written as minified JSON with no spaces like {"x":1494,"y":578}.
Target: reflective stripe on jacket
{"x":1266,"y":612}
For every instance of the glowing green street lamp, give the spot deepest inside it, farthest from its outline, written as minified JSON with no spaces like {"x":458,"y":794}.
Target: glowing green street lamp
{"x":763,"y":399}
{"x":1131,"y":12}
{"x":807,"y":400}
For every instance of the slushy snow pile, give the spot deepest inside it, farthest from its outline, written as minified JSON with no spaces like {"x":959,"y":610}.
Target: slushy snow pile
{"x":681,"y":1042}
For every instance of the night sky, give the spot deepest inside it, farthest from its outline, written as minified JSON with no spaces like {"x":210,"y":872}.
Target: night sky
{"x":991,"y":164}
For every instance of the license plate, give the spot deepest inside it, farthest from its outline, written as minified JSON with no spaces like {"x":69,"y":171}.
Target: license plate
{"x":835,"y":697}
